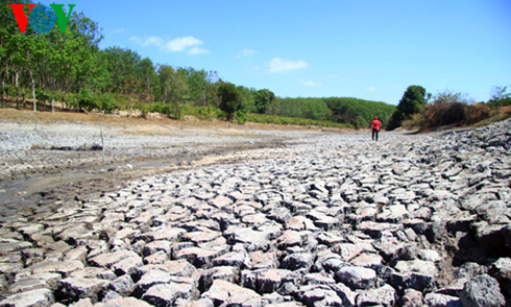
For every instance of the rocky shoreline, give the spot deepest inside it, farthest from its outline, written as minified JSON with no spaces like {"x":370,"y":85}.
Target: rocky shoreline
{"x":420,"y":220}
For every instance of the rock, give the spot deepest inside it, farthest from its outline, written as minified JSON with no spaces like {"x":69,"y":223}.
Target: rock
{"x":79,"y":253}
{"x":501,"y":270}
{"x":123,"y":302}
{"x":348,"y":251}
{"x":392,"y":214}
{"x":327,"y":223}
{"x":157,"y":246}
{"x":166,"y":233}
{"x":441,"y":300}
{"x":318,"y":279}
{"x":415,"y":274}
{"x":289,"y":238}
{"x":73,"y":289}
{"x":411,"y":298}
{"x":93,"y":272}
{"x":199,"y":257}
{"x":149,"y":279}
{"x":27,"y":284}
{"x":203,"y":302}
{"x":13,"y":246}
{"x":322,"y":295}
{"x":297,"y":261}
{"x":329,"y":239}
{"x":388,"y":248}
{"x":235,"y":259}
{"x":167,"y":294}
{"x":377,"y":230}
{"x":33,"y":298}
{"x":228,"y":294}
{"x":368,"y":260}
{"x":198,"y":237}
{"x":127,"y":265}
{"x":274,"y":298}
{"x":84,"y":302}
{"x":384,"y":296}
{"x":107,"y":260}
{"x":262,"y":260}
{"x":429,"y":255}
{"x":267,"y":281}
{"x":469,"y":270}
{"x":226,"y":273}
{"x":298,"y":223}
{"x":251,"y":239}
{"x":482,"y":291}
{"x":180,"y":268}
{"x":79,"y":231}
{"x":356,"y":277}
{"x":408,"y":252}
{"x":156,"y":258}
{"x":123,"y":285}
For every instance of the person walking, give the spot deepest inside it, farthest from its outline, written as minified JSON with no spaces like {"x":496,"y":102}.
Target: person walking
{"x":375,"y":125}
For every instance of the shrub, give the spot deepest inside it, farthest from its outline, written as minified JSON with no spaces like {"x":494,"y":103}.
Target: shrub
{"x":447,"y":109}
{"x":241,"y":116}
{"x":279,"y":120}
{"x":416,"y":121}
{"x":477,"y":113}
{"x":109,"y":102}
{"x":395,"y":120}
{"x":160,"y":107}
{"x":88,"y":100}
{"x":230,"y":99}
{"x":500,"y":97}
{"x":202,"y":112}
{"x":445,"y":114}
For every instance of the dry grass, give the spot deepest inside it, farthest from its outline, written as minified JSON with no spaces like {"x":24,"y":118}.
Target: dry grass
{"x":135,"y":124}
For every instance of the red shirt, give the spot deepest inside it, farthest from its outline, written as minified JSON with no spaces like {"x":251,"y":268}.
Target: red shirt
{"x":376,"y":124}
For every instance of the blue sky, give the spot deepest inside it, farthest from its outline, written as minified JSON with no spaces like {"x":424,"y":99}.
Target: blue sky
{"x":365,"y":49}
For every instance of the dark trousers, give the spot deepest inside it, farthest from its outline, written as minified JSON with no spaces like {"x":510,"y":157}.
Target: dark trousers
{"x":375,"y":135}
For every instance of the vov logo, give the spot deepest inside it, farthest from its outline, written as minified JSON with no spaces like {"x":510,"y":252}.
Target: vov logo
{"x":42,"y":18}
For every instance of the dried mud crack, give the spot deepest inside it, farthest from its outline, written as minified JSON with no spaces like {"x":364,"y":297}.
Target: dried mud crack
{"x":309,"y":219}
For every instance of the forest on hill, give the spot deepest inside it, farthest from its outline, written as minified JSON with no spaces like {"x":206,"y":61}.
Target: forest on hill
{"x":39,"y":69}
{"x":67,"y":65}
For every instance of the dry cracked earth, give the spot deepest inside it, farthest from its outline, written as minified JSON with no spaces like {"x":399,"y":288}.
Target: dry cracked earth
{"x":309,"y":219}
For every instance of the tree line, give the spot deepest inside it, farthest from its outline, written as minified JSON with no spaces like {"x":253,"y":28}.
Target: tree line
{"x":36,"y":70}
{"x":421,"y":110}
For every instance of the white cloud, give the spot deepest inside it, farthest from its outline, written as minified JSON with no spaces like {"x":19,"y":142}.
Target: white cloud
{"x":282,"y":65}
{"x":371,"y":89}
{"x":136,"y":39}
{"x":153,"y":40}
{"x":245,"y":53}
{"x":332,"y":76}
{"x":310,"y":83}
{"x":197,"y":50}
{"x":118,"y":31}
{"x":181,"y":43}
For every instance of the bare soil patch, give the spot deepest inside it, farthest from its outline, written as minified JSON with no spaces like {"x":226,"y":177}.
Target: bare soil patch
{"x":39,"y":175}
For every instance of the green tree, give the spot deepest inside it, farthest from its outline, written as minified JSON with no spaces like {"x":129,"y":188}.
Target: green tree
{"x":197,"y":84}
{"x":8,"y":48}
{"x":230,"y":99}
{"x":123,"y":65}
{"x":149,"y":79}
{"x":412,"y":102}
{"x":174,"y":87}
{"x":500,"y":97}
{"x":263,"y":100}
